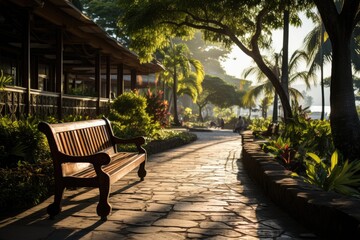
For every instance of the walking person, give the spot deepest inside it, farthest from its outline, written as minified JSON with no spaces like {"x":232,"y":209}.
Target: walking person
{"x":239,"y":125}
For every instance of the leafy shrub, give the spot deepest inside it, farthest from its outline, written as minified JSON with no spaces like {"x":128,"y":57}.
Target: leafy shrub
{"x":259,"y":124}
{"x":302,"y":135}
{"x":21,"y":142}
{"x":166,"y":139}
{"x":334,"y":175}
{"x":309,"y":135}
{"x":130,"y":118}
{"x":75,"y":118}
{"x":157,"y":108}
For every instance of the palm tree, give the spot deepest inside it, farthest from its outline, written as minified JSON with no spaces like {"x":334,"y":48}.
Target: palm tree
{"x":285,"y":55}
{"x":266,"y":88}
{"x":179,"y":74}
{"x":318,"y":46}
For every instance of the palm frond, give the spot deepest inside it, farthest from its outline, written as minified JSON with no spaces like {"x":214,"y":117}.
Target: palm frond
{"x":4,"y":80}
{"x":295,"y":95}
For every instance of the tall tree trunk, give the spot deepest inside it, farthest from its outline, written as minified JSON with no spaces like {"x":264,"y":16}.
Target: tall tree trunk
{"x":285,"y":55}
{"x":200,"y":113}
{"x":344,"y":120}
{"x":276,"y":83}
{"x":275,"y":109}
{"x":322,"y":72}
{"x":176,"y":118}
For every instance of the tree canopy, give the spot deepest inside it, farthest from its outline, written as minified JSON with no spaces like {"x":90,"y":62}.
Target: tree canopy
{"x":247,"y":24}
{"x":106,"y":14}
{"x":219,"y":92}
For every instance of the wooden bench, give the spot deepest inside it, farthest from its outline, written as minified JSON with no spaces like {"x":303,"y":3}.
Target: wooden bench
{"x":85,"y":154}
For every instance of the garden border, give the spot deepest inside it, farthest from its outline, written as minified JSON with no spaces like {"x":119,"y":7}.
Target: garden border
{"x":328,"y":214}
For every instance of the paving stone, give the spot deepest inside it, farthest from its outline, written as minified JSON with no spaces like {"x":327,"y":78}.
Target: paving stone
{"x":214,"y":224}
{"x":158,"y":236}
{"x":197,"y":207}
{"x":156,"y":207}
{"x":216,"y":232}
{"x":173,"y":222}
{"x":154,"y":229}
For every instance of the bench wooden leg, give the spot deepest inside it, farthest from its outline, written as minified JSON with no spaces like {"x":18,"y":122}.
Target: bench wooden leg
{"x":142,"y":171}
{"x":103,"y":208}
{"x":55,"y":208}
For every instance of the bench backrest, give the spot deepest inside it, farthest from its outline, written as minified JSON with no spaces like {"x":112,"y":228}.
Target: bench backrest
{"x":78,"y":139}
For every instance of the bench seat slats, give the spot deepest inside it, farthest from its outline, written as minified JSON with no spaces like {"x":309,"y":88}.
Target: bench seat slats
{"x":118,"y":161}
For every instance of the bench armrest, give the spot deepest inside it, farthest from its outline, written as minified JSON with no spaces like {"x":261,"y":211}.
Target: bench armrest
{"x":138,"y":141}
{"x":95,"y":159}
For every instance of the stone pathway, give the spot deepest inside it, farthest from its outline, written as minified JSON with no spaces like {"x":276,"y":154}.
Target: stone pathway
{"x":198,"y":191}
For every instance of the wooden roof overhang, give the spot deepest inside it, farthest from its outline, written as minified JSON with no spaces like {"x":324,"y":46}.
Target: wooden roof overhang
{"x":82,"y":39}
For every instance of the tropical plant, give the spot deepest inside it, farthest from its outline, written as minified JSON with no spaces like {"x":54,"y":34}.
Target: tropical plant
{"x":4,"y":80}
{"x":284,"y":152}
{"x":179,"y":74}
{"x":157,"y":107}
{"x":333,"y":175}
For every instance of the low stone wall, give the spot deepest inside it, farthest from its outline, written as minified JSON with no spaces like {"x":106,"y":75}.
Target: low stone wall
{"x":328,"y":214}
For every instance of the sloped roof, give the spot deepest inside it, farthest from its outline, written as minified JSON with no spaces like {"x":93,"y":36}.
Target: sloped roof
{"x":63,"y":13}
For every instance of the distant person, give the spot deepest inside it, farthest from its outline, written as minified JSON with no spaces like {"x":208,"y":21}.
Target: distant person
{"x":222,"y":123}
{"x":213,"y":124}
{"x":239,"y":125}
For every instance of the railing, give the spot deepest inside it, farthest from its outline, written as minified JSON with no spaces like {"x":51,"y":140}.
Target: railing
{"x":12,"y":102}
{"x":43,"y":104}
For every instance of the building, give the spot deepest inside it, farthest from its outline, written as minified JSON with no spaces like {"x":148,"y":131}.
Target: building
{"x":61,"y":62}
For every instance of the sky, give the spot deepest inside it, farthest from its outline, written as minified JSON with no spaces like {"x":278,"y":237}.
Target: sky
{"x":237,"y":61}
